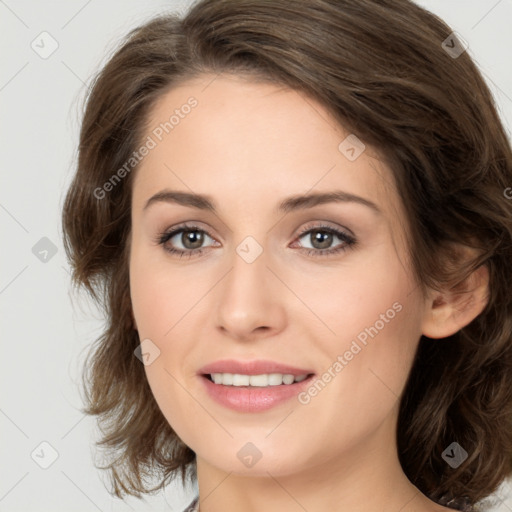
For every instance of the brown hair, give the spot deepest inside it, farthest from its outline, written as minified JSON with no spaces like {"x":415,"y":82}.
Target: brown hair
{"x":380,"y":68}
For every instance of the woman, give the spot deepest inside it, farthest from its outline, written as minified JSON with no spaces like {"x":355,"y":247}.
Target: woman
{"x":295,"y":215}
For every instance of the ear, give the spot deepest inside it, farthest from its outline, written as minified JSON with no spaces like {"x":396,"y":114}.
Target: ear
{"x":448,"y":312}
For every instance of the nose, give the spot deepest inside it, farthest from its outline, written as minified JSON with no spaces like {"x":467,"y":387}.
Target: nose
{"x":251,"y":299}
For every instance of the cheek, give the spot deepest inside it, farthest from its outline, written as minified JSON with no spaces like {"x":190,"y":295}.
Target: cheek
{"x":373,"y":313}
{"x":160,"y":307}
{"x":155,"y":294}
{"x":373,"y":292}
{"x":151,"y":308}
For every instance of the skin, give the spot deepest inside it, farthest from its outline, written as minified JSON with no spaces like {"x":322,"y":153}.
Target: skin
{"x":249,"y":145}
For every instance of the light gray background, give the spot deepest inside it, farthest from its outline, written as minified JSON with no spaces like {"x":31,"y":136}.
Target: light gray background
{"x":44,"y":335}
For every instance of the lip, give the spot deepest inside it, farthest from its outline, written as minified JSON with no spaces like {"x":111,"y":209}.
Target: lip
{"x":256,"y":367}
{"x":252,"y":398}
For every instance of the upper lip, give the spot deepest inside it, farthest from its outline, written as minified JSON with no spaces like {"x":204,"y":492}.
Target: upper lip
{"x":256,"y":367}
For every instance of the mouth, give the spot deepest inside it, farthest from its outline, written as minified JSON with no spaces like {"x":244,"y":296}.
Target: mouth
{"x":252,"y":390}
{"x":264,"y":380}
{"x":253,"y":385}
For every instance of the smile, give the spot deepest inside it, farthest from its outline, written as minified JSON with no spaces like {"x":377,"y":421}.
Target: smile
{"x":254,"y":393}
{"x":263,"y":380}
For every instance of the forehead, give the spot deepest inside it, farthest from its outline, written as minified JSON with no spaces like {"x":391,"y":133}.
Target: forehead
{"x":254,"y":142}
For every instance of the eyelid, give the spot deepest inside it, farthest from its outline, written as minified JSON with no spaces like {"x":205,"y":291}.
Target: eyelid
{"x":319,"y":224}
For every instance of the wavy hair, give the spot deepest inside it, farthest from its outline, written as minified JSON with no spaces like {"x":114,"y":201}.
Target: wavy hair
{"x":383,"y":70}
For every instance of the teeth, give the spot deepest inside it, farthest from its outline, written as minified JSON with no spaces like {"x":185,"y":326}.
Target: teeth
{"x":264,"y":380}
{"x":240,"y":380}
{"x":288,"y":379}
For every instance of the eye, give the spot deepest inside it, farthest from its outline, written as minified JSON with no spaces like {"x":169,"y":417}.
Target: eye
{"x":321,"y":238}
{"x":189,"y":236}
{"x":192,"y":238}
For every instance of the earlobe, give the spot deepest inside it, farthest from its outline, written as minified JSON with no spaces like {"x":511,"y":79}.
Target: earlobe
{"x":448,"y":312}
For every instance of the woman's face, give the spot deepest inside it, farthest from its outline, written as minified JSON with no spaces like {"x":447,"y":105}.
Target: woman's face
{"x":264,"y":287}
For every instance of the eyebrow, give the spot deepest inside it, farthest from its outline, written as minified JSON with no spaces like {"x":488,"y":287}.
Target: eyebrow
{"x":293,"y":203}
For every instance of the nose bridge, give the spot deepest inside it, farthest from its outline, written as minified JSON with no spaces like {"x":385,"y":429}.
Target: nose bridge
{"x":246,"y":300}
{"x":248,"y":276}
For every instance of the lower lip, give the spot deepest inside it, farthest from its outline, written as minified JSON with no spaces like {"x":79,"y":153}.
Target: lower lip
{"x":253,"y":398}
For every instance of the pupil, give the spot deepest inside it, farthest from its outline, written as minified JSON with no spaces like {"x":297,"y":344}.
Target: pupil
{"x":190,"y":236}
{"x":327,"y":239}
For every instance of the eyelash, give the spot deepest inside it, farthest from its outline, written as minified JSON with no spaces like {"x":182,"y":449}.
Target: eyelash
{"x":349,"y":241}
